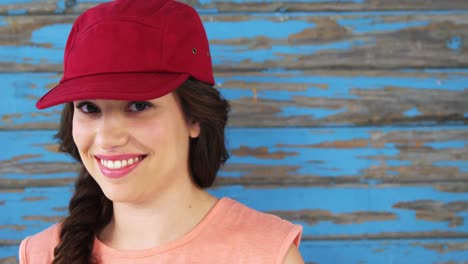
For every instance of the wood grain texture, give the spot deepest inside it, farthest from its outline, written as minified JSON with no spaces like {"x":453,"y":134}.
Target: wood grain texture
{"x":341,"y":213}
{"x":15,"y":7}
{"x":289,"y":98}
{"x":385,"y":252}
{"x":338,"y":123}
{"x":340,"y":184}
{"x":260,"y":42}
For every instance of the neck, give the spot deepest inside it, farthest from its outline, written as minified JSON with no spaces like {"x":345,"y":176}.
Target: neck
{"x":168,"y":217}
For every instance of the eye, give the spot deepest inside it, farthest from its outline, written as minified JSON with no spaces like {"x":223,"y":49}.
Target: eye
{"x":138,"y":106}
{"x":87,"y":107}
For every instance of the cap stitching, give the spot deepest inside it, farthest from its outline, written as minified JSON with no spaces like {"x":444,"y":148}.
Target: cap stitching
{"x":116,"y":19}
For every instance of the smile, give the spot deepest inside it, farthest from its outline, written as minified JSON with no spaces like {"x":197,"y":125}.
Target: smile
{"x":119,"y":165}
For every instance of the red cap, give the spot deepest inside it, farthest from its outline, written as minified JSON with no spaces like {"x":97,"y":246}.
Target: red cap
{"x":132,"y":50}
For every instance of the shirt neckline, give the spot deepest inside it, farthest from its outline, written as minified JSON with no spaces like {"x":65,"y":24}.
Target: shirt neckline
{"x":104,"y":250}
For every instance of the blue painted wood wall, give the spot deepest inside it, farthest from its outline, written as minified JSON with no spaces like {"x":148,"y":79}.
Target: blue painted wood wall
{"x":349,"y":117}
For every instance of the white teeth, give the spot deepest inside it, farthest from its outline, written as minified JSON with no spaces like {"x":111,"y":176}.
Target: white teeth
{"x":118,"y":164}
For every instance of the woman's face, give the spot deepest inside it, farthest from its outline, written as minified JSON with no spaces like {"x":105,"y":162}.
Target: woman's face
{"x":134,"y":150}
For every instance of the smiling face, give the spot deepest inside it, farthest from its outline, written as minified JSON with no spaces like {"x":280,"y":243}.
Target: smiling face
{"x":134,"y":150}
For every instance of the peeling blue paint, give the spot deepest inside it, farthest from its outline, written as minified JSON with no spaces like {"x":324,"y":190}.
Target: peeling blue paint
{"x":412,"y":112}
{"x":3,"y":21}
{"x":342,"y":200}
{"x":455,"y":144}
{"x":54,"y":35}
{"x":455,"y":43}
{"x":398,"y":163}
{"x":12,"y":2}
{"x":17,"y":209}
{"x":16,"y":12}
{"x":17,"y":147}
{"x":60,"y":6}
{"x":462,"y":165}
{"x":277,"y":52}
{"x":17,"y":87}
{"x":335,"y":200}
{"x":8,"y":251}
{"x":253,"y":28}
{"x":39,"y":176}
{"x":328,"y":161}
{"x":236,"y":94}
{"x":377,"y":24}
{"x":30,"y":55}
{"x":315,"y":113}
{"x":342,"y":86}
{"x":382,"y":252}
{"x":230,"y":174}
{"x":284,"y":95}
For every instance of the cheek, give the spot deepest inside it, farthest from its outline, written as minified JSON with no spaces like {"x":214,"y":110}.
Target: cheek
{"x":80,"y":134}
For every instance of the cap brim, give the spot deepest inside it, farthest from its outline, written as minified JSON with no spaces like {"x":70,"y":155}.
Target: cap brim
{"x":114,"y":86}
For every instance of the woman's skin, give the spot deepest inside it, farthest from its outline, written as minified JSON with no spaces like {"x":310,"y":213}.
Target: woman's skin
{"x":144,"y":148}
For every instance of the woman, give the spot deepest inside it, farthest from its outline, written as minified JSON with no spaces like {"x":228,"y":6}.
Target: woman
{"x":142,"y":117}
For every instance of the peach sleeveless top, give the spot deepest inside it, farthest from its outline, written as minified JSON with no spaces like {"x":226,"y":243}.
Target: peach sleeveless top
{"x":230,"y":233}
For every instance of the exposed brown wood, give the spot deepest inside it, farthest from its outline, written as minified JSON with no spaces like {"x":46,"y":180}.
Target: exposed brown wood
{"x":14,"y":227}
{"x":49,"y":219}
{"x":9,"y":260}
{"x":261,"y":153}
{"x":16,"y":184}
{"x":30,"y":168}
{"x":443,"y":247}
{"x":328,"y":84}
{"x":461,"y":187}
{"x":424,"y":45}
{"x":34,"y":198}
{"x":416,"y":161}
{"x":387,"y":236}
{"x":436,"y":211}
{"x":315,"y":216}
{"x":350,"y":104}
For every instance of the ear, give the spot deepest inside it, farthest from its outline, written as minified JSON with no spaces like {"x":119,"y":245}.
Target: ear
{"x":194,"y":130}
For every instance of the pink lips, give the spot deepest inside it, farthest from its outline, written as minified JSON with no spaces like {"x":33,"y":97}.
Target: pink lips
{"x":121,"y":172}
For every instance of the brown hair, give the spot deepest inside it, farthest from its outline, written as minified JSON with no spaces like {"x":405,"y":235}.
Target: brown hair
{"x":90,"y":210}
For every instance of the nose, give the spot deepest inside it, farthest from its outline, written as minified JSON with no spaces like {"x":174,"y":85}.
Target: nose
{"x":111,"y":132}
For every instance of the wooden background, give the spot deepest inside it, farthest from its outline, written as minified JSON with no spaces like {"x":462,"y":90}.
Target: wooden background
{"x":349,"y":117}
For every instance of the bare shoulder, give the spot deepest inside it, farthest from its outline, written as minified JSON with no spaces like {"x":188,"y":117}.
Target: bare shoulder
{"x":293,"y":256}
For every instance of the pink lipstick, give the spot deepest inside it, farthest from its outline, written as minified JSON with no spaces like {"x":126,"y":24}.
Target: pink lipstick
{"x":117,"y":166}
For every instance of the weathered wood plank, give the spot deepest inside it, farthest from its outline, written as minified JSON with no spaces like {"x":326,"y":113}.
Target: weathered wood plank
{"x":347,"y":157}
{"x":293,"y":41}
{"x":434,"y":251}
{"x":15,"y":7}
{"x":387,"y":252}
{"x":289,"y":98}
{"x":352,"y":211}
{"x":391,"y":179}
